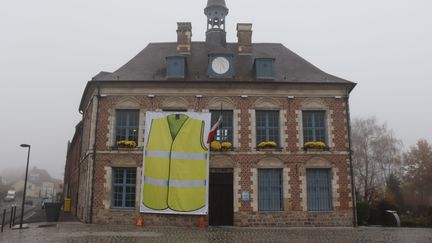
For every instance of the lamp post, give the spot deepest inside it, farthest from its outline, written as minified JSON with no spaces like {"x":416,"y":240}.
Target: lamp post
{"x":25,"y":183}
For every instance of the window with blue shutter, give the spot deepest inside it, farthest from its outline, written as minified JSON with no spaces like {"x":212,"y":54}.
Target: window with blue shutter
{"x":176,"y":67}
{"x":123,"y":187}
{"x":267,"y":126}
{"x":264,"y":68}
{"x":225,"y":130}
{"x":314,"y":128}
{"x":127,"y":125}
{"x":270,"y":191}
{"x":319,"y":191}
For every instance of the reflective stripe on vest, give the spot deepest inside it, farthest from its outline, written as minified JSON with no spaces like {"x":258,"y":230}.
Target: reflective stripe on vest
{"x":175,"y":155}
{"x":176,"y":183}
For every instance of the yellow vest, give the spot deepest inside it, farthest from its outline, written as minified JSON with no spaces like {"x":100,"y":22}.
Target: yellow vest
{"x":175,"y":169}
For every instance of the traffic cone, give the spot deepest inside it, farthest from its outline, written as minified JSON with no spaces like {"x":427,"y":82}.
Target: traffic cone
{"x":139,"y":221}
{"x":202,"y":222}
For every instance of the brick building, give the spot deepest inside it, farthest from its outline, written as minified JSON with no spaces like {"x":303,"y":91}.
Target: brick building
{"x":265,"y":93}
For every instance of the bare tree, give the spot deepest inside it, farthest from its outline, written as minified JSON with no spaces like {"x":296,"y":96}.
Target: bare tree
{"x":376,"y":155}
{"x":418,"y":172}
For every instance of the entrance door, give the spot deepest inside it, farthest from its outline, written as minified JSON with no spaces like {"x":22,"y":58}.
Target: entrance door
{"x":221,"y":197}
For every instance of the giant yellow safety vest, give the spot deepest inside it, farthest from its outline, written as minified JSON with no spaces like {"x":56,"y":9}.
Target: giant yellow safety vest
{"x":175,"y":169}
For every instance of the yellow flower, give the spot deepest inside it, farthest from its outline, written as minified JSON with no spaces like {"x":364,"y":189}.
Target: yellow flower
{"x":226,"y":145}
{"x":267,"y":144}
{"x":315,"y":145}
{"x":215,"y":145}
{"x":126,"y":144}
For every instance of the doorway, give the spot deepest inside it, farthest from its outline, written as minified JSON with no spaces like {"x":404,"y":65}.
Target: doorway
{"x":221,"y":209}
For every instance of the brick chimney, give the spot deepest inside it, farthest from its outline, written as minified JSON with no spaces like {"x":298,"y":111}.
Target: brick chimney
{"x":184,"y":37}
{"x":244,"y":35}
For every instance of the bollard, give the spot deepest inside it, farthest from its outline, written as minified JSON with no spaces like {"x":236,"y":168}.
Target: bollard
{"x":10,"y":219}
{"x":3,"y":220}
{"x":14,"y":214}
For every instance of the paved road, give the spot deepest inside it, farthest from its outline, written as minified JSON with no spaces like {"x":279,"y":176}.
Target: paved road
{"x":78,"y":232}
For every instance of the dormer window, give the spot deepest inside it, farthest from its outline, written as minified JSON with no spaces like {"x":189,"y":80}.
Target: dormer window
{"x":176,"y":67}
{"x":264,"y":68}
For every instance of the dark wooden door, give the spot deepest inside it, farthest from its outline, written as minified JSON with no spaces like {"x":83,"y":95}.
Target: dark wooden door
{"x":221,"y":197}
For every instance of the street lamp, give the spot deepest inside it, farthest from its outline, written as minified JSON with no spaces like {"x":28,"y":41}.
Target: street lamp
{"x":25,"y":183}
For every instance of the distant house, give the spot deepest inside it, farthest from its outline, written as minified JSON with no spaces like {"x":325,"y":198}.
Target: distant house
{"x":33,"y":190}
{"x":267,"y":95}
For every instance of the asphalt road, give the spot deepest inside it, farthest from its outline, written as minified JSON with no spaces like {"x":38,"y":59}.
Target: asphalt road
{"x":29,"y":210}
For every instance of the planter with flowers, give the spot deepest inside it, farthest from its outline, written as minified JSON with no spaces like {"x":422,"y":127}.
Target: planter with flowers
{"x":267,"y":146}
{"x":316,"y":146}
{"x":220,"y":147}
{"x":126,"y":145}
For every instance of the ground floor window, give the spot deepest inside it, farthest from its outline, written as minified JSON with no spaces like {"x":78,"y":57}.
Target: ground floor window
{"x":123,"y":187}
{"x":270,"y":190}
{"x":319,"y":191}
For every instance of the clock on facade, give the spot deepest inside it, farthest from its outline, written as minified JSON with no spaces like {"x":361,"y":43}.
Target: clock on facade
{"x":220,"y":65}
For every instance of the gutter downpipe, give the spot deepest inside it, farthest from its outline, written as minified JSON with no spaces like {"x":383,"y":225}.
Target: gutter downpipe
{"x":94,"y":158}
{"x":353,"y":196}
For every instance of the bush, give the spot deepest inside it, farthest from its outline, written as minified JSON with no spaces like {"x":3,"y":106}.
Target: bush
{"x":363,"y":212}
{"x":380,"y":216}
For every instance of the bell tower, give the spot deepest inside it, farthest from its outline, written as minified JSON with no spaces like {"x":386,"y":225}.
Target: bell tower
{"x":216,"y":11}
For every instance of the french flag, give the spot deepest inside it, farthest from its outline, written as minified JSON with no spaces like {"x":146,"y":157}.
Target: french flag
{"x":214,"y":129}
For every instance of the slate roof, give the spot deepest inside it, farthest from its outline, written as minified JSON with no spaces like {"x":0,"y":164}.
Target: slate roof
{"x":150,"y":65}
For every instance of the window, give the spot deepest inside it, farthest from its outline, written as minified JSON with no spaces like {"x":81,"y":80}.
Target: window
{"x":127,"y":122}
{"x":176,"y":67}
{"x":123,"y":187}
{"x":319,"y":193}
{"x":267,"y":126}
{"x":314,"y":128}
{"x":225,"y":130}
{"x":270,"y":190}
{"x":264,"y":68}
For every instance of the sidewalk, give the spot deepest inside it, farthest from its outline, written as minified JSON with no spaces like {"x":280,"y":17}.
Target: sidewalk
{"x":79,"y":232}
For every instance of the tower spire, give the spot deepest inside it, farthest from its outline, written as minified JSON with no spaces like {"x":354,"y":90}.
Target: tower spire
{"x":216,"y":11}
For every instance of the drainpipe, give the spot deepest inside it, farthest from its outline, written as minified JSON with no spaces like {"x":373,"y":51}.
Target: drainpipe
{"x":353,"y":196}
{"x":94,"y":158}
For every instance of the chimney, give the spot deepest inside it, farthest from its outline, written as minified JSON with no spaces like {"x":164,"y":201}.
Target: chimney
{"x":184,"y":37}
{"x":244,"y":35}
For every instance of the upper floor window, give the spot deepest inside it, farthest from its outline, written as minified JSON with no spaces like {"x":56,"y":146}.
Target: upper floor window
{"x":127,"y":123}
{"x":270,"y":191}
{"x":123,"y":187}
{"x":314,"y":128}
{"x":319,"y":191}
{"x":225,"y":130}
{"x":267,"y":126}
{"x":176,"y":67}
{"x":264,"y":68}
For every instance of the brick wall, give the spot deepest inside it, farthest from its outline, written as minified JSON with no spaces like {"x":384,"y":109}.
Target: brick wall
{"x":245,"y":158}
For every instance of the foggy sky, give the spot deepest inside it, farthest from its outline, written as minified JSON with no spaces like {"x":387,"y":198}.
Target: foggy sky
{"x":49,"y":49}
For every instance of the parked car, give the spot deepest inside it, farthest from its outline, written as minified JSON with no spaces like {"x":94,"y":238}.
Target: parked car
{"x":10,"y":196}
{"x":46,"y":200}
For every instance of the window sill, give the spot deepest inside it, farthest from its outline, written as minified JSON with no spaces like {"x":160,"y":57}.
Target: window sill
{"x":125,"y":149}
{"x":271,"y":212}
{"x":122,"y":209}
{"x":323,"y":211}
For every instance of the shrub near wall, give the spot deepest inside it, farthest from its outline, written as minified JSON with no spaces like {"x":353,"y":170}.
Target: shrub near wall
{"x":363,"y":212}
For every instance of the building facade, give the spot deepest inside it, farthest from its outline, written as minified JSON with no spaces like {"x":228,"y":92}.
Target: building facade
{"x":265,"y":92}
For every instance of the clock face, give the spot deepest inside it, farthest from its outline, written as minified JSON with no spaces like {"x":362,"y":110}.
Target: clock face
{"x":220,"y":65}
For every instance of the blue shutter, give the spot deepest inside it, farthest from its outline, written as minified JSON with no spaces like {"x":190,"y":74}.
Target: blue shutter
{"x":319,"y":192}
{"x":270,"y":194}
{"x":264,"y":68}
{"x":176,"y":67}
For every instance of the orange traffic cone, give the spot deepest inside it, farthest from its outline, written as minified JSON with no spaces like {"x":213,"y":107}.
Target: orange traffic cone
{"x":202,"y":222}
{"x":139,"y":221}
